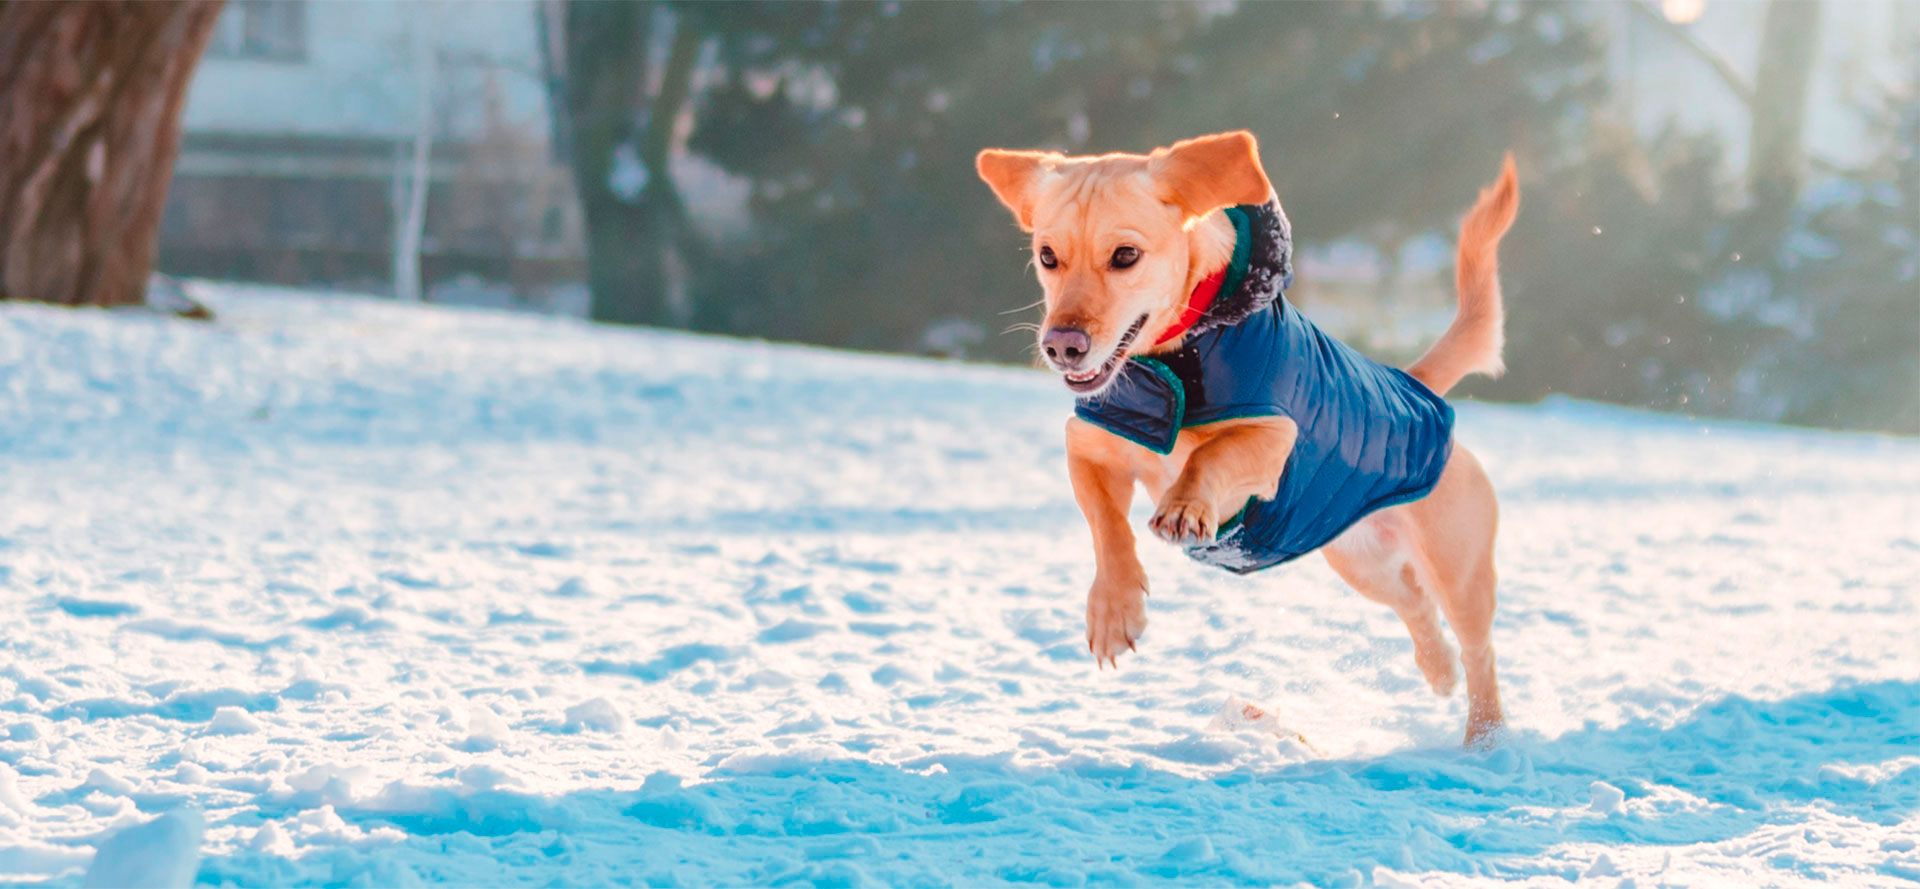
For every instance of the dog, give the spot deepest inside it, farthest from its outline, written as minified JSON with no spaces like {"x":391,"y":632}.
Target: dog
{"x":1257,"y":437}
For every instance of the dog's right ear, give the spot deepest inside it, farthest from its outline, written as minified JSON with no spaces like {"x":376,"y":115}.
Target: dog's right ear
{"x":1014,"y":177}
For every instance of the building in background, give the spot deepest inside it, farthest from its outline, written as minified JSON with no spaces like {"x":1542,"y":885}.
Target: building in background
{"x":301,"y":131}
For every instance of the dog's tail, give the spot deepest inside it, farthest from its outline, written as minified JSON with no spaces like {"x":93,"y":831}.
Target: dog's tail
{"x":1472,"y":343}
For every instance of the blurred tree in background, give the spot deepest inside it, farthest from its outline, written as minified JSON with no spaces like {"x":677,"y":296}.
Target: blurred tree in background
{"x":856,"y":125}
{"x":1642,"y":271}
{"x":621,"y":136}
{"x":1636,"y":276}
{"x":1855,"y":258}
{"x":1604,"y":274}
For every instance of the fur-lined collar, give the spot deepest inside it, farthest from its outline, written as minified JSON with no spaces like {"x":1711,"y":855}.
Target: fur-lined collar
{"x":1269,"y":269}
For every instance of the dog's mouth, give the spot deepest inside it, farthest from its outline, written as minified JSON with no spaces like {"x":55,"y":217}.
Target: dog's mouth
{"x":1092,"y":381}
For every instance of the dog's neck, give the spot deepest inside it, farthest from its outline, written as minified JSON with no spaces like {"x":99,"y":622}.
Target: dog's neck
{"x":1210,"y":247}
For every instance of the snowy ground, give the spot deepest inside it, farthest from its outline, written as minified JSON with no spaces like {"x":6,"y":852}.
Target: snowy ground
{"x":388,"y":595}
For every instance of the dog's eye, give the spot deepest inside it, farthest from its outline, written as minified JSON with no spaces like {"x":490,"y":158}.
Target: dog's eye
{"x":1124,"y":257}
{"x":1047,"y":259}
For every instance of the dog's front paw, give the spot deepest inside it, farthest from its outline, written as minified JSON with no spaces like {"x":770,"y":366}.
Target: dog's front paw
{"x":1116,"y":616}
{"x":1184,"y":521}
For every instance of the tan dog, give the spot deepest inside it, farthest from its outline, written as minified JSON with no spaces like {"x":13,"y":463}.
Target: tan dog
{"x":1120,"y":237}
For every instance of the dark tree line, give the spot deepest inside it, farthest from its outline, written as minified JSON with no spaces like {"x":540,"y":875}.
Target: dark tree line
{"x":855,"y":124}
{"x":1642,"y":271}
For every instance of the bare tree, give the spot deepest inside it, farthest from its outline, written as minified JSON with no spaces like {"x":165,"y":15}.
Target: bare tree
{"x":90,"y":101}
{"x":410,"y":201}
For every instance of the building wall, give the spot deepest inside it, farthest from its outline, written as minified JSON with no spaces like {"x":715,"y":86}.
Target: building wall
{"x":359,"y":73}
{"x":299,"y":126}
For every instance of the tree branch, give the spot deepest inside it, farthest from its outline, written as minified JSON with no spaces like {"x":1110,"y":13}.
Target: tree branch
{"x":1724,"y":69}
{"x":1728,"y":74}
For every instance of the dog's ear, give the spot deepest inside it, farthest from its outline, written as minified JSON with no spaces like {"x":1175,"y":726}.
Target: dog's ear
{"x":1205,"y":174}
{"x":1015,"y":178}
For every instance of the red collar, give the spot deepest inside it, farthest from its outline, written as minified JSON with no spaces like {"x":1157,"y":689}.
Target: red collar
{"x":1197,"y":303}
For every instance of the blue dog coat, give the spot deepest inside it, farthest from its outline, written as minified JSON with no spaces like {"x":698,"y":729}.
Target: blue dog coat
{"x":1370,"y":436}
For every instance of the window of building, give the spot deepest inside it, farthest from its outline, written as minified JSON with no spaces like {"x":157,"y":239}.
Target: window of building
{"x":261,"y":29}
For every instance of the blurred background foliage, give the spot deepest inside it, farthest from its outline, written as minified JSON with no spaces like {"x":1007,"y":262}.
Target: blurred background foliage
{"x":1642,"y":271}
{"x":1719,"y":211}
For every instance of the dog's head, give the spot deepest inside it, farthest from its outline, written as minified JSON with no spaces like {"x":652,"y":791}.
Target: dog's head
{"x":1118,"y":241}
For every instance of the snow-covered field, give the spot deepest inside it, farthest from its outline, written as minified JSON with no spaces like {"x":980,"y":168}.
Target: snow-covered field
{"x":375,"y":595}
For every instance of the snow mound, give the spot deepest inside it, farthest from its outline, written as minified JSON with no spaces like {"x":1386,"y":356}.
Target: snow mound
{"x":597,"y":715}
{"x":158,"y":854}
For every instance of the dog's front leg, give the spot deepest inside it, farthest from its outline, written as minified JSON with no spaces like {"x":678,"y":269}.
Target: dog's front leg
{"x":1239,"y":459}
{"x":1103,"y":479}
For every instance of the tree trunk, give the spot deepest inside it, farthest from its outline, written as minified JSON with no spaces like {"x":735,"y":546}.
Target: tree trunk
{"x":410,"y":216}
{"x":621,"y":140}
{"x":1777,"y":142}
{"x":90,"y":100}
{"x":671,"y":233}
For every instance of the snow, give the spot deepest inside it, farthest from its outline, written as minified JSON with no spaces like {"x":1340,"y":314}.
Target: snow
{"x":1607,"y":799}
{"x":597,"y":715}
{"x":394,"y":595}
{"x":160,"y":854}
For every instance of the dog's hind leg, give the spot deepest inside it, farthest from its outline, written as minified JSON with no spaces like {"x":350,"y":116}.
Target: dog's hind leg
{"x":1468,"y":603}
{"x":1453,"y":530}
{"x":1375,"y":557}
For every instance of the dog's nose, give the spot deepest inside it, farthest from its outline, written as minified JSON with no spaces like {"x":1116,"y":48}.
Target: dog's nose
{"x":1066,"y":347}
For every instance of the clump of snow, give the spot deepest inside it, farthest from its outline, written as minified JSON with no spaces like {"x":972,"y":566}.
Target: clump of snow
{"x":191,"y":773}
{"x":13,"y":806}
{"x":486,"y":777}
{"x":161,"y":854}
{"x":232,"y":721}
{"x":596,"y":714}
{"x":323,"y":822}
{"x":323,"y":785}
{"x":1606,"y":798}
{"x":271,"y":838}
{"x":105,"y":782}
{"x":485,"y":729}
{"x":106,"y":805}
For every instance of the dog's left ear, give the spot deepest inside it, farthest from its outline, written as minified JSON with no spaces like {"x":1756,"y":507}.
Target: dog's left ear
{"x":1014,"y":177}
{"x":1211,"y":172}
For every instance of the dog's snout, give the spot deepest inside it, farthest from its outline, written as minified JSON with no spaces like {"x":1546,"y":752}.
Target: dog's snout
{"x":1066,"y":347}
